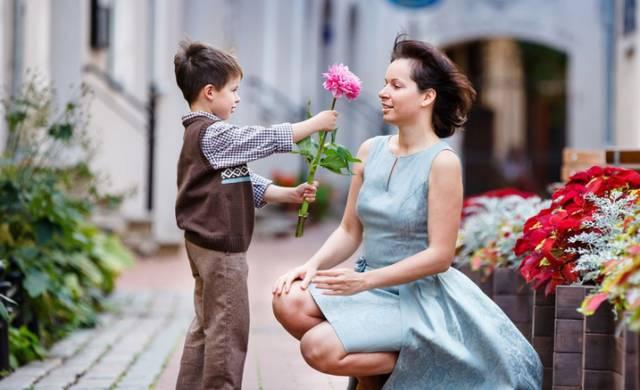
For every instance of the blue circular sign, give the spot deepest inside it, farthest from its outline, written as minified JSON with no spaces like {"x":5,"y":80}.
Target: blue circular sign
{"x":415,"y":3}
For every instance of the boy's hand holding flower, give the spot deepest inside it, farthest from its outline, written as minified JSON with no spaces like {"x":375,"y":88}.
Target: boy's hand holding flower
{"x":336,"y":158}
{"x":326,"y":120}
{"x":304,"y":192}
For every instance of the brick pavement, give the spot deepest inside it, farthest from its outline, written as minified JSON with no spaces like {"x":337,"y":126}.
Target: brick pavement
{"x":139,"y":346}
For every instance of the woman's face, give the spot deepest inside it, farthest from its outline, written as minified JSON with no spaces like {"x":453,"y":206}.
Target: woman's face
{"x":401,"y":100}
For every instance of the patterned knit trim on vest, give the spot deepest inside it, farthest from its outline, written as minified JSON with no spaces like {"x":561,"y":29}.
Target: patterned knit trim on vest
{"x":235,"y":174}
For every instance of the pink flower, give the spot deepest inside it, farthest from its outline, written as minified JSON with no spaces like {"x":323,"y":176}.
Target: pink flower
{"x":340,"y":81}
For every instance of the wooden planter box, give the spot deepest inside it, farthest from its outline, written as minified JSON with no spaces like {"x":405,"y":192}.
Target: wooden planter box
{"x":575,"y":160}
{"x":543,"y":331}
{"x":515,"y":298}
{"x":631,"y":373}
{"x":586,"y":353}
{"x":484,"y":282}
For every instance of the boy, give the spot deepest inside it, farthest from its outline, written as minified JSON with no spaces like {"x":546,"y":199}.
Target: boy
{"x":215,"y":207}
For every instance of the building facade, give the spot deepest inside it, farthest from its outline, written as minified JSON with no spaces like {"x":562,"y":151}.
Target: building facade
{"x":123,"y":50}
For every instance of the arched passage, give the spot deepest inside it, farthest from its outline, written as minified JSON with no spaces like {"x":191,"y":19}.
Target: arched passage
{"x":518,"y":126}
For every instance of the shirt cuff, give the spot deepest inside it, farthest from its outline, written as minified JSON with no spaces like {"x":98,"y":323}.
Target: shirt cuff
{"x":260,"y":185}
{"x":283,"y":136}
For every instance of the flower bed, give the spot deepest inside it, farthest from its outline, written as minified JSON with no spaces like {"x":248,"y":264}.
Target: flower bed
{"x":492,"y":223}
{"x":581,"y":239}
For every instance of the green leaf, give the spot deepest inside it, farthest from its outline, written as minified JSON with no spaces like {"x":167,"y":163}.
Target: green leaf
{"x":14,"y":118}
{"x":333,"y":163}
{"x":4,"y":313}
{"x":346,"y":154}
{"x":308,"y":148}
{"x":308,"y":109}
{"x":61,"y":131}
{"x":5,"y":235}
{"x":36,"y":283}
{"x":27,"y":252}
{"x":338,"y":158}
{"x":87,"y":267}
{"x":44,"y":230}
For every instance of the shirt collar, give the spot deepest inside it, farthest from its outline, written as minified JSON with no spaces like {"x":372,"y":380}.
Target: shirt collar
{"x":196,"y":114}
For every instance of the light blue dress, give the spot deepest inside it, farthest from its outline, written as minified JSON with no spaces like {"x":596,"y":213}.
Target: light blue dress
{"x":449,"y":333}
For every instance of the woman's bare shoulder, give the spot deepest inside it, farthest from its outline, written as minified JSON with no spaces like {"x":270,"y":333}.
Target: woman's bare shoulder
{"x":446,"y":162}
{"x":365,"y":148}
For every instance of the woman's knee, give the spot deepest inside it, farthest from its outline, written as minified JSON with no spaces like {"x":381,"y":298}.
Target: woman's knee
{"x":322,"y":350}
{"x":289,"y":305}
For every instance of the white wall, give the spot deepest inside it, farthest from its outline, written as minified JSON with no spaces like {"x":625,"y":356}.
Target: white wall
{"x":171,"y":106}
{"x":627,"y":115}
{"x":5,"y":61}
{"x":37,"y":41}
{"x":119,"y":125}
{"x":68,"y":40}
{"x":207,"y":20}
{"x":130,"y":46}
{"x":119,"y":131}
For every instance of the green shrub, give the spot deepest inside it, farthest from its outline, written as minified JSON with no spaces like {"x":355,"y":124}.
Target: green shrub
{"x":56,"y":265}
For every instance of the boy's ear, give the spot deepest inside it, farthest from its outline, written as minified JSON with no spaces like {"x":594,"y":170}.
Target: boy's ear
{"x":209,"y":91}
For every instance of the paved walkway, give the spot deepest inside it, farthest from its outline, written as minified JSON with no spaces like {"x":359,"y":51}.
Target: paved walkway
{"x":138,"y":346}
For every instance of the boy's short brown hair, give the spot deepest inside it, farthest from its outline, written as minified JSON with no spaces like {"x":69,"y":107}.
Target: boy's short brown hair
{"x":198,"y":64}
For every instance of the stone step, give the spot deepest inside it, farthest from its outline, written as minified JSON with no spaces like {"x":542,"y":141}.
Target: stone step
{"x":79,"y":364}
{"x":113,"y":364}
{"x":129,"y":347}
{"x":149,"y":365}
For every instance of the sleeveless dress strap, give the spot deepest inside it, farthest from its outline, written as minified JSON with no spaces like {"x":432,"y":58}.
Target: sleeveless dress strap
{"x":432,"y":153}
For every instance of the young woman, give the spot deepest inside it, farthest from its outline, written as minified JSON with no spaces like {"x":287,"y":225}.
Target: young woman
{"x":404,"y":319}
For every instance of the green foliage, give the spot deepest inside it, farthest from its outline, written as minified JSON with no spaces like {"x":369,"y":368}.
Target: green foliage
{"x":56,"y":266}
{"x":26,"y":345}
{"x":334,"y":157}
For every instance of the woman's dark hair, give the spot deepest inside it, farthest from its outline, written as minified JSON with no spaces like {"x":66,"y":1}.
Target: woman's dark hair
{"x":433,"y":69}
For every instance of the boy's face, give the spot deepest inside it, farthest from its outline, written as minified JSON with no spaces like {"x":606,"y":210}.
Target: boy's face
{"x":223,"y":102}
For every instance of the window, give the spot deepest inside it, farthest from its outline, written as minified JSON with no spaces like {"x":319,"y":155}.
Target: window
{"x":629,"y":17}
{"x":100,"y":23}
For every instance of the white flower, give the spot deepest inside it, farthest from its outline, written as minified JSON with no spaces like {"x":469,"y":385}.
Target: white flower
{"x":601,"y":243}
{"x":496,"y":222}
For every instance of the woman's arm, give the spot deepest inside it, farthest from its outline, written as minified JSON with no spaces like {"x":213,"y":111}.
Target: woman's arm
{"x":342,"y":243}
{"x":445,"y":206}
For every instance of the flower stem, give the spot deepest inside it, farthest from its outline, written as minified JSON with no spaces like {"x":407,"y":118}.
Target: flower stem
{"x":303,"y":212}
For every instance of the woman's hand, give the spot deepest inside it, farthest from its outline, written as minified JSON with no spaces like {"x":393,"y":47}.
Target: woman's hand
{"x":341,"y":281}
{"x":304,"y":272}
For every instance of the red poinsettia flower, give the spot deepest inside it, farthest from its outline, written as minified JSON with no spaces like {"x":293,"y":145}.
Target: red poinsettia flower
{"x":545,"y":239}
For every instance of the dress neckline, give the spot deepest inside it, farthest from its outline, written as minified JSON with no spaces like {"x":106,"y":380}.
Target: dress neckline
{"x":388,"y":149}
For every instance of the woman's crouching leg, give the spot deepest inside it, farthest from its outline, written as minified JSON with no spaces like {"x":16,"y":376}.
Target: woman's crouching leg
{"x":296,"y":311}
{"x":323,"y":350}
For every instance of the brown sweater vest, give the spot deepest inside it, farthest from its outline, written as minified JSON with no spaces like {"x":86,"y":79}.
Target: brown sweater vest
{"x":214,"y":207}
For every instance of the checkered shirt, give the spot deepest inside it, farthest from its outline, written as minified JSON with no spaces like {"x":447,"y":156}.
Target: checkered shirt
{"x":226,"y":145}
